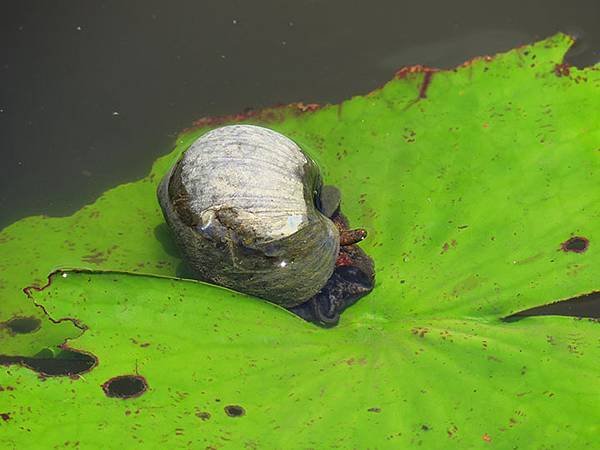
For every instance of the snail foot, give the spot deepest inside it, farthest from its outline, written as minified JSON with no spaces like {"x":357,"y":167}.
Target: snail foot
{"x":352,"y":279}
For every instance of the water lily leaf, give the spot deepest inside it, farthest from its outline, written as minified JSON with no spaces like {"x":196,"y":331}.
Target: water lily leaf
{"x":478,"y":188}
{"x":221,"y":369}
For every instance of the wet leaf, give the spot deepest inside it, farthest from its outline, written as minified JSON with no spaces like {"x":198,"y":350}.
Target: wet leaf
{"x":475,"y":184}
{"x":267,"y":379}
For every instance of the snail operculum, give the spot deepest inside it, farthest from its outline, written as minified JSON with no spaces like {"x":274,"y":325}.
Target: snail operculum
{"x":248,"y":210}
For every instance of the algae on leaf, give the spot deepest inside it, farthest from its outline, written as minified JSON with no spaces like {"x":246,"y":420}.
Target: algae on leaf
{"x":469,"y":182}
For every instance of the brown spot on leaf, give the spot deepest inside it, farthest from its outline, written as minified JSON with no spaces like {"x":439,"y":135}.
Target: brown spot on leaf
{"x":141,"y":344}
{"x":353,"y":361}
{"x":425,"y":84}
{"x":307,"y":106}
{"x":234,"y":410}
{"x":5,"y":416}
{"x":452,"y":431}
{"x":427,"y":76}
{"x":204,"y":415}
{"x":419,"y":331}
{"x":576,"y":244}
{"x":408,"y":70}
{"x":96,"y":257}
{"x":447,"y":246}
{"x":562,"y":70}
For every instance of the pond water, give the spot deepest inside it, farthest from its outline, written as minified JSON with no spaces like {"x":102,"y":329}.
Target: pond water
{"x":91,"y":94}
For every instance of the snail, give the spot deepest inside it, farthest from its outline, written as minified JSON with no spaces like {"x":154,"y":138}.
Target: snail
{"x":248,"y":210}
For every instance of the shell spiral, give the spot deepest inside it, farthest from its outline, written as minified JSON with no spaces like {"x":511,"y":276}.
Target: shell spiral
{"x":241,"y":205}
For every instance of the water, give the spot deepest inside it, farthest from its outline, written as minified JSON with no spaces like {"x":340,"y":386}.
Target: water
{"x":92,"y":93}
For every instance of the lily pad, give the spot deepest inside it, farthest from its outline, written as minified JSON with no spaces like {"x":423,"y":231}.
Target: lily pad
{"x":222,"y":369}
{"x":469,"y":181}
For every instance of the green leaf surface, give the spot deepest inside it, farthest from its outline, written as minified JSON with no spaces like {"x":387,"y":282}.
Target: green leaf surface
{"x":467,"y":180}
{"x":377,"y":382}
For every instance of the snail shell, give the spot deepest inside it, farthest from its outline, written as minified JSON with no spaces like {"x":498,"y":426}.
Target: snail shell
{"x":242,"y":205}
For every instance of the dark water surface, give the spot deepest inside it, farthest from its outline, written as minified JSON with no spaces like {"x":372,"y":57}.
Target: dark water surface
{"x":92,"y":92}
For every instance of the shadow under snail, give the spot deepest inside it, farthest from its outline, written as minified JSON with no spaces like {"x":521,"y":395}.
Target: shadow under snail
{"x":249,"y":211}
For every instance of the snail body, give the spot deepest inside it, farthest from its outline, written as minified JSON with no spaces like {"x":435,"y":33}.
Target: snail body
{"x":243,"y":204}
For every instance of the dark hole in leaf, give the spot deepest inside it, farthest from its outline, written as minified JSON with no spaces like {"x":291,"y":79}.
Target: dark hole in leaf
{"x":23,"y":325}
{"x":374,"y":409}
{"x":234,"y":411}
{"x":125,"y":386}
{"x":65,"y":363}
{"x":5,"y":416}
{"x":575,"y":244}
{"x":587,"y":305}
